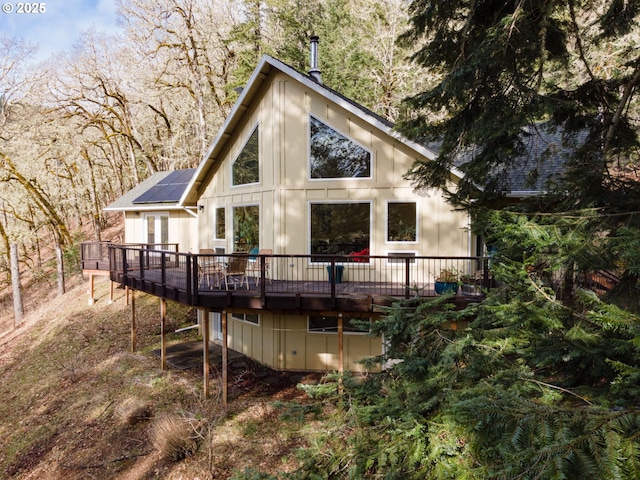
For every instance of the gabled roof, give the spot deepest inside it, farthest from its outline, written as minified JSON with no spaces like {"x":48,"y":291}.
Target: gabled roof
{"x":260,"y":74}
{"x":162,"y":190}
{"x":544,"y":161}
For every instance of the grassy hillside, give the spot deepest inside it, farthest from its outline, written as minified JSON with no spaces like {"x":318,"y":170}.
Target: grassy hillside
{"x":76,"y":403}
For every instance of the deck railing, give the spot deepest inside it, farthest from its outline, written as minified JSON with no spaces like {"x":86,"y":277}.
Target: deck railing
{"x":95,"y":255}
{"x":322,"y":275}
{"x":274,"y":279}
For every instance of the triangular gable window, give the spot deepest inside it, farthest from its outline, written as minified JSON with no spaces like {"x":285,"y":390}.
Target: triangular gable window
{"x":245,"y":169}
{"x":332,"y":155}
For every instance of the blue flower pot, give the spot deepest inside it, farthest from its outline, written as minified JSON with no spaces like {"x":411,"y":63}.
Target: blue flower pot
{"x":446,"y":287}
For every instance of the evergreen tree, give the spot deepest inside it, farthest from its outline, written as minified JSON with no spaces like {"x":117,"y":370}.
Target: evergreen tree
{"x":544,"y":381}
{"x":507,"y":65}
{"x":358,"y":57}
{"x":512,"y":72}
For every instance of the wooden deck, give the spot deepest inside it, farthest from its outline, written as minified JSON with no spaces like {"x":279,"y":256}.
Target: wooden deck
{"x":302,"y":284}
{"x":284,"y":295}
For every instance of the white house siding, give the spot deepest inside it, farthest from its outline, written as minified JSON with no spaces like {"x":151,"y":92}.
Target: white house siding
{"x":285,"y":190}
{"x":284,"y":194}
{"x":282,"y":342}
{"x":183,"y":228}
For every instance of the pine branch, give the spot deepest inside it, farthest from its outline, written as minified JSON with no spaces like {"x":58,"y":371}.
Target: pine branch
{"x":556,"y":387}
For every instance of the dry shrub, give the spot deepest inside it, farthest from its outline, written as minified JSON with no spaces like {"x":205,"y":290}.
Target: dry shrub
{"x":133,"y":410}
{"x":175,"y":437}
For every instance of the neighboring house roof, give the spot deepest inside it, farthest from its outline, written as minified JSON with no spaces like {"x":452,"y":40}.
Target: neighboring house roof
{"x":544,"y":161}
{"x":162,"y":190}
{"x":253,"y":88}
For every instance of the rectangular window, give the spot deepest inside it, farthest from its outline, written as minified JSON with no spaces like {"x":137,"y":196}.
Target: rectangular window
{"x":220,"y":223}
{"x":401,"y":222}
{"x":341,"y":229}
{"x":252,"y":318}
{"x":333,"y":155}
{"x":246,"y":227}
{"x":324,"y":324}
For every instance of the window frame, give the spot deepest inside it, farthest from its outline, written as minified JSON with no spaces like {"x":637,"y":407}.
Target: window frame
{"x":336,"y":202}
{"x":346,"y":329}
{"x":387,"y":218}
{"x":233,"y":226}
{"x":216,"y":218}
{"x":158,"y":230}
{"x":242,"y":317}
{"x":349,"y":137}
{"x":254,"y":129}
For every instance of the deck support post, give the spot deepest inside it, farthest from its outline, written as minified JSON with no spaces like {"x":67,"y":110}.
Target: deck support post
{"x":163,"y":338}
{"x":92,"y":299}
{"x":225,"y":357}
{"x":340,"y":352}
{"x":133,"y":321}
{"x":205,"y":352}
{"x":111,"y":292}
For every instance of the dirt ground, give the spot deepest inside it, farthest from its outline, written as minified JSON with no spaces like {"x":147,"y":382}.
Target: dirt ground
{"x":76,"y":403}
{"x":69,"y":384}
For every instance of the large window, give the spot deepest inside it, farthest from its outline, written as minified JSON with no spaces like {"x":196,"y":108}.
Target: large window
{"x":401,"y":222}
{"x":245,"y":169}
{"x":220,"y":225}
{"x":340,"y":228}
{"x":324,"y":324}
{"x":246,"y":227}
{"x":332,"y":155}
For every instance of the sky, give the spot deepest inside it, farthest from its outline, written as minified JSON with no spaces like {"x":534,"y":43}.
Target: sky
{"x":58,"y":27}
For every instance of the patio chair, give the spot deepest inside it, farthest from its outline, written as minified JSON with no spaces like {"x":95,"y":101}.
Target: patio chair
{"x":210,"y":268}
{"x":236,"y":272}
{"x":253,"y":267}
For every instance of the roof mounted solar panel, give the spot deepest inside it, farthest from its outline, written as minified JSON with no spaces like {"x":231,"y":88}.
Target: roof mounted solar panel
{"x":167,"y":190}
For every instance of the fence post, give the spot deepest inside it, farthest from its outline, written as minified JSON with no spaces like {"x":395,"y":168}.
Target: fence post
{"x":141,"y":262}
{"x":124,"y":265}
{"x":263,"y":279}
{"x":163,"y":273}
{"x":332,"y":280}
{"x":407,"y":279}
{"x":191,"y":288}
{"x":485,"y":273}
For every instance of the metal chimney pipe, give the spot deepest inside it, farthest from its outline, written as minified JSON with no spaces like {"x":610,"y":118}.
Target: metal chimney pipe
{"x":314,"y":72}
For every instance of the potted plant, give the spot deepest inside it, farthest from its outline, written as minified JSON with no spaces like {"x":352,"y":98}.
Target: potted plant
{"x":447,"y":281}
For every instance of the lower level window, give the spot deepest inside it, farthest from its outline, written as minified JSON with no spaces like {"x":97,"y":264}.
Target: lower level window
{"x":324,"y":324}
{"x":252,"y":318}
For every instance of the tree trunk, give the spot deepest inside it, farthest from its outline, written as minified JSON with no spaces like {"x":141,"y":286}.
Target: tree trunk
{"x":4,"y":262}
{"x":60,"y":264}
{"x":18,"y":309}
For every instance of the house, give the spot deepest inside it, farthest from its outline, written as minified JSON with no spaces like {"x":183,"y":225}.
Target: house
{"x":298,"y":168}
{"x":152,"y":214}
